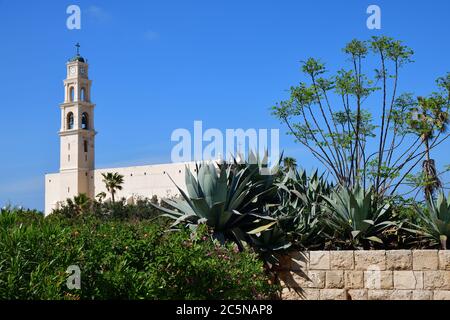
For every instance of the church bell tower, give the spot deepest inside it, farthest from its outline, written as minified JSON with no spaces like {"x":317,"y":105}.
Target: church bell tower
{"x":77,"y":134}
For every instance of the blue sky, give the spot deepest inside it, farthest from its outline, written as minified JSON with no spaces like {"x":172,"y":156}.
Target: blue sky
{"x":160,"y":65}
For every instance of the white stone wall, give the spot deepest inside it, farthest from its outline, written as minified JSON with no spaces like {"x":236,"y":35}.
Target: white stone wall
{"x":145,"y":181}
{"x":366,"y":275}
{"x":139,"y":182}
{"x":52,"y":191}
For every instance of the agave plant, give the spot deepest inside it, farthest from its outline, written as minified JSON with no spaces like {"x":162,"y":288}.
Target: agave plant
{"x":354,"y":217}
{"x":299,"y":210}
{"x":435,"y":224}
{"x":230,"y":198}
{"x":269,"y":242}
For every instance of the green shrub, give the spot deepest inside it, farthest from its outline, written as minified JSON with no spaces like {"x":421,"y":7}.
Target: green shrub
{"x":121,"y":260}
{"x":119,"y":210}
{"x":434,"y":222}
{"x":356,"y":220}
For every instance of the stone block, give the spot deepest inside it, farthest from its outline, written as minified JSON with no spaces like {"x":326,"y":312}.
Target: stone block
{"x":408,"y":280}
{"x":379,"y":294}
{"x":444,"y":259}
{"x":357,"y":294}
{"x":436,"y":280}
{"x":370,"y":260}
{"x":333,"y":294}
{"x":354,"y":279}
{"x":399,"y":260}
{"x":311,"y":294}
{"x":390,"y":294}
{"x":425,"y":260}
{"x":293,"y":279}
{"x":334,"y":279}
{"x":319,"y":260}
{"x":441,"y":295}
{"x":342,"y":260}
{"x":422,"y":295}
{"x":401,"y":295}
{"x":317,"y":279}
{"x":376,"y":280}
{"x":290,"y":294}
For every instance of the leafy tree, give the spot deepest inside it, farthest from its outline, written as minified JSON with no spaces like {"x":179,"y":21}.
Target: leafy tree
{"x":329,"y":116}
{"x":113,"y":182}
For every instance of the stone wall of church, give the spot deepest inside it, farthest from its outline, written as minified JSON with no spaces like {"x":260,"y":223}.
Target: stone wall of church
{"x":52,"y":191}
{"x":139,"y":182}
{"x":145,"y":181}
{"x":366,"y":275}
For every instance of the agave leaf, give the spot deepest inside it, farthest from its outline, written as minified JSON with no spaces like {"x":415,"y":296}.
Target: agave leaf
{"x":375,"y":239}
{"x":208,"y":183}
{"x":191,"y":184}
{"x":262,"y":228}
{"x":221,"y":187}
{"x":239,"y":237}
{"x":180,"y":205}
{"x":183,"y":194}
{"x":355,"y":233}
{"x":221,"y":218}
{"x":169,"y":213}
{"x":235,"y":198}
{"x":261,"y":194}
{"x":202,"y":209}
{"x":237,"y":202}
{"x":184,"y":218}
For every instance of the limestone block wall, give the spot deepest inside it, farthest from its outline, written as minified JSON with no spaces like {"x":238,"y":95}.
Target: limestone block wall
{"x":366,"y":275}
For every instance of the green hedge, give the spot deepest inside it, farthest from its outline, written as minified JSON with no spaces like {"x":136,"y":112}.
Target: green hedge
{"x":121,"y":260}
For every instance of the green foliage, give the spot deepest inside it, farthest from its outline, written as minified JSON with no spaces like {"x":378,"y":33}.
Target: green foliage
{"x":434,"y":223}
{"x":113,"y":182}
{"x":340,"y":132}
{"x":431,"y":117}
{"x":299,"y":210}
{"x":121,"y":260}
{"x":231,"y":199}
{"x":118,"y":210}
{"x":355,"y":218}
{"x":289,"y":163}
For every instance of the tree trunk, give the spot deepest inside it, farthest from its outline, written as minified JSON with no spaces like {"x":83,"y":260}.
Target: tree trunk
{"x":432,"y":181}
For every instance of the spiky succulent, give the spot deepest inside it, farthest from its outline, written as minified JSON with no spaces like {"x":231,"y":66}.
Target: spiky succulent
{"x":299,"y":208}
{"x":354,"y":216}
{"x":434,"y":223}
{"x":230,"y":198}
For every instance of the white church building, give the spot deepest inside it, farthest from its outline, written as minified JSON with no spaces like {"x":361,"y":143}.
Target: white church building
{"x":77,"y":173}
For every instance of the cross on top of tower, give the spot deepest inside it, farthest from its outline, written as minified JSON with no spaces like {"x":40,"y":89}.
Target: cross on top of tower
{"x":77,"y":57}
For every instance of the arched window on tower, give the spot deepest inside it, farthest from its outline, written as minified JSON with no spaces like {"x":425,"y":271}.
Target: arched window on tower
{"x":70,"y":121}
{"x":71,"y":94}
{"x":83,"y":94}
{"x":84,"y":121}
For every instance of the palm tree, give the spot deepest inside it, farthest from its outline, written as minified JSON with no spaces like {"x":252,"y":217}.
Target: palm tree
{"x":432,"y":119}
{"x":113,"y":182}
{"x":289,"y":163}
{"x":80,"y":203}
{"x":101,"y":196}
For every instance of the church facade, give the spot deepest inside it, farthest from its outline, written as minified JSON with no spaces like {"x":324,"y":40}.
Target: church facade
{"x":77,"y":173}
